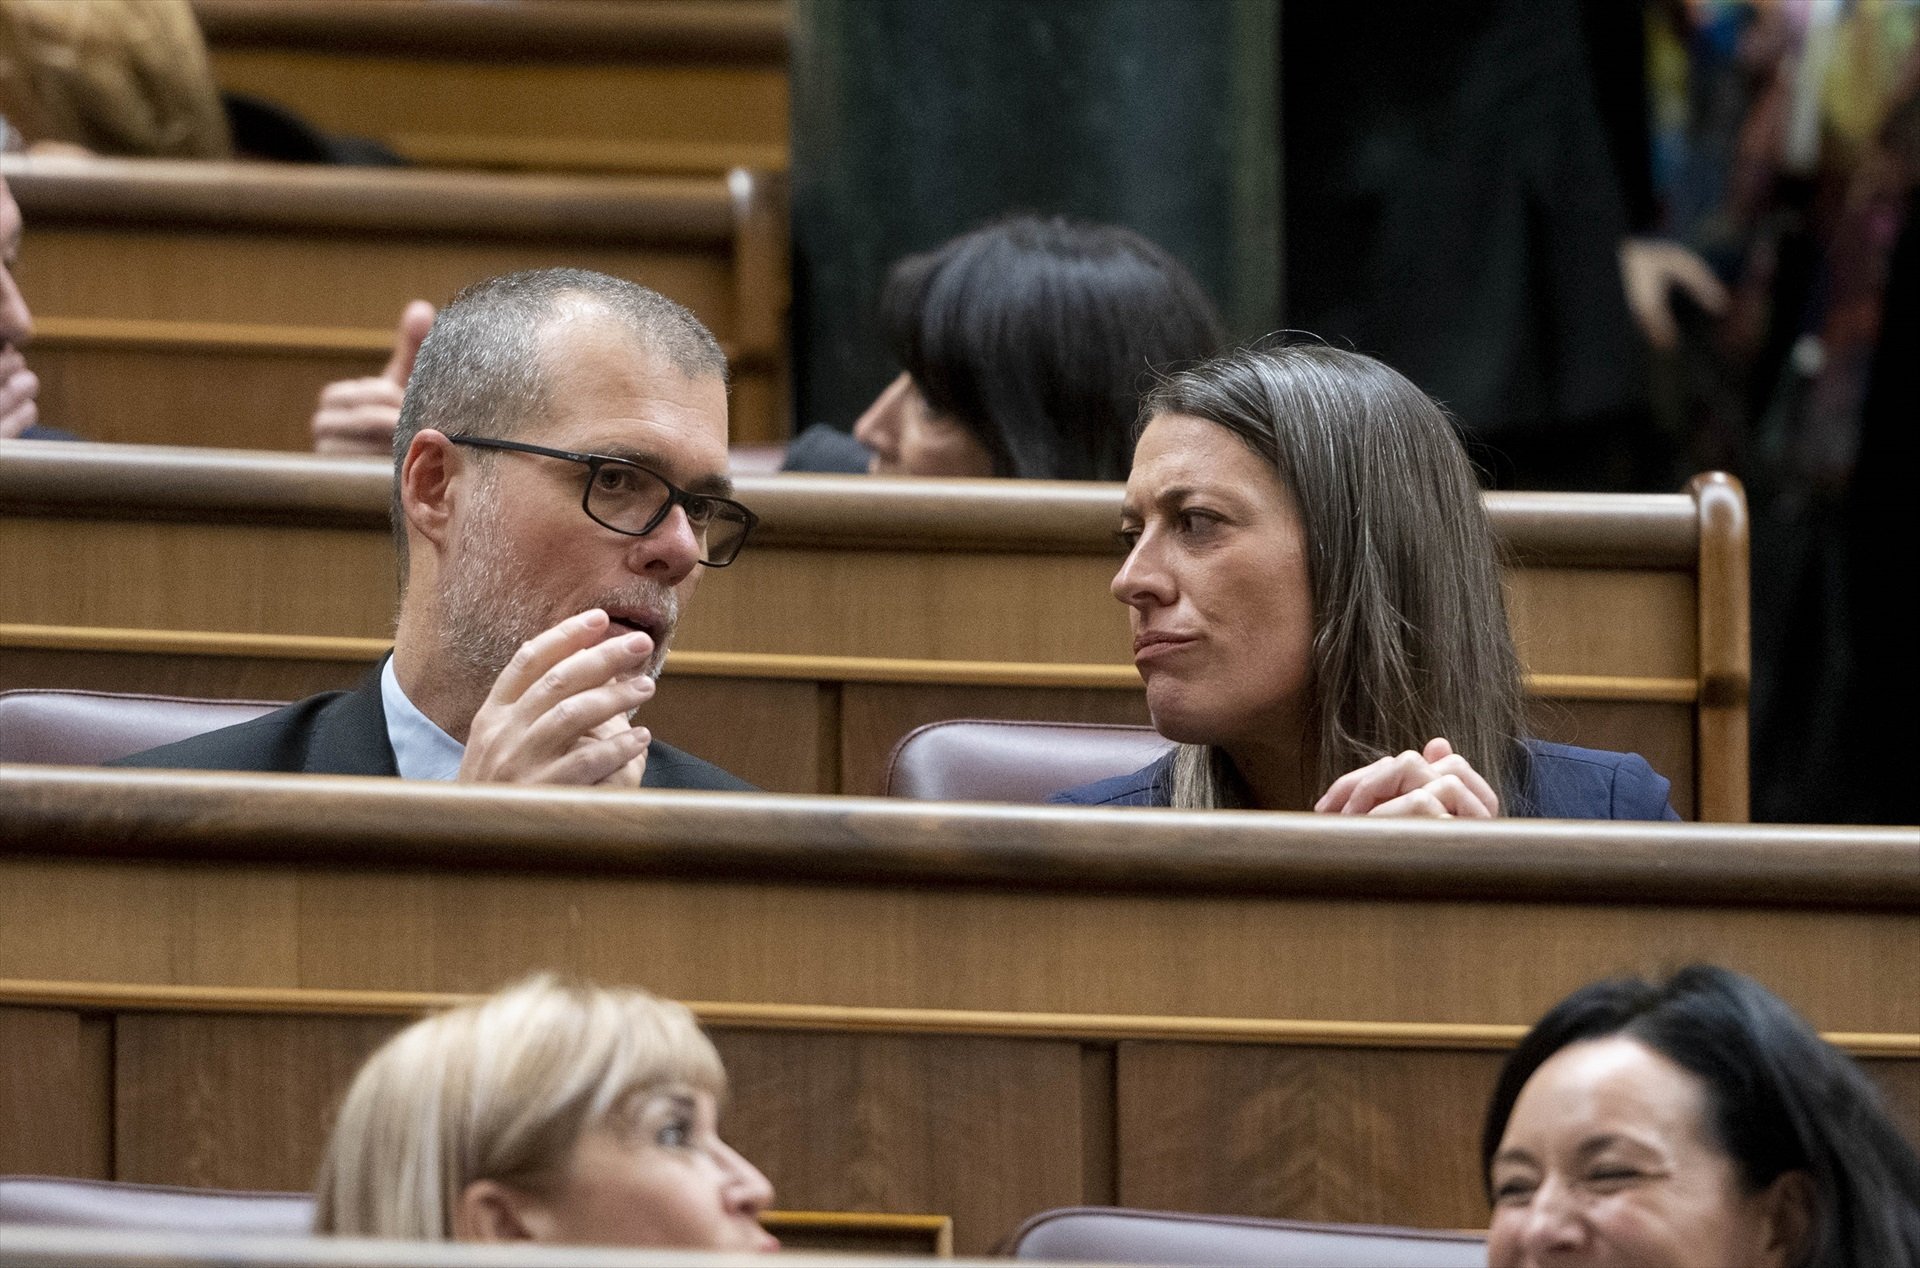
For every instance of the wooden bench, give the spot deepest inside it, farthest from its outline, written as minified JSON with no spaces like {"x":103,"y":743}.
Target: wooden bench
{"x":208,"y":303}
{"x":863,"y":608}
{"x":693,"y":87}
{"x":980,"y":1011}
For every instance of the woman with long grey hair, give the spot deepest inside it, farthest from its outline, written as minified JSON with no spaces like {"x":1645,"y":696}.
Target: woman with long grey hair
{"x":1315,"y":598}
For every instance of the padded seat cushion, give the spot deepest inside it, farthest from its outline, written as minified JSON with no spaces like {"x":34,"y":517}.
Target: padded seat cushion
{"x":1119,"y":1235}
{"x":86,"y":728}
{"x":972,"y":759}
{"x":112,"y":1204}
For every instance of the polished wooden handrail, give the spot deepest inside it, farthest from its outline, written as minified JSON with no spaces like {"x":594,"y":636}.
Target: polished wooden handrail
{"x":140,"y":997}
{"x":73,"y":812}
{"x":55,"y":190}
{"x":137,"y":481}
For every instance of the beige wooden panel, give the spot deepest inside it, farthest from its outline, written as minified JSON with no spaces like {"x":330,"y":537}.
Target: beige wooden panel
{"x":780,"y":736}
{"x":232,"y":1102}
{"x":277,"y":579}
{"x":235,"y":924}
{"x":219,"y":677}
{"x":710,"y":117}
{"x":987,"y":1130}
{"x":54,"y":1093}
{"x":957,"y":605}
{"x":249,"y":399}
{"x":1381,"y":1137}
{"x":1641,"y":623}
{"x":322,"y":279}
{"x":1899,"y":1082}
{"x":1177,"y":955}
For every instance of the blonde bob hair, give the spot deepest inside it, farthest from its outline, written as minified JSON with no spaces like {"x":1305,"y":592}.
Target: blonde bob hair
{"x":501,"y":1089}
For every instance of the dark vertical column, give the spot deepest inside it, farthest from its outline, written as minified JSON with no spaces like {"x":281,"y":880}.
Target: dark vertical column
{"x":914,"y":120}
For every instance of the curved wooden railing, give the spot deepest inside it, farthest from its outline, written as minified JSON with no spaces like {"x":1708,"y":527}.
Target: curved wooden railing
{"x":81,"y":812}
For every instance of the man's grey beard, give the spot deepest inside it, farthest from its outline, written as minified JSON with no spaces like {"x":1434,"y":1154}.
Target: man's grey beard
{"x":488,"y":608}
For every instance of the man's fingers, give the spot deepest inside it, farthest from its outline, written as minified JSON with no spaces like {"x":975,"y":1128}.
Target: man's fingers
{"x":582,"y":714}
{"x":596,"y":761}
{"x":543,"y":651}
{"x":416,"y":319}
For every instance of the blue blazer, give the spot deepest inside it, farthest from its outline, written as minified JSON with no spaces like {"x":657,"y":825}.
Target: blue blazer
{"x":1563,"y":782}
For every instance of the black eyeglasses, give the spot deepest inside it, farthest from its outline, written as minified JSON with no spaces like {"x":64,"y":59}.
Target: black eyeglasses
{"x":627,"y":498}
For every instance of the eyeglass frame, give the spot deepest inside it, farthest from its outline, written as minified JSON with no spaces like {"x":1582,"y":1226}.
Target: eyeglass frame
{"x":676,"y":496}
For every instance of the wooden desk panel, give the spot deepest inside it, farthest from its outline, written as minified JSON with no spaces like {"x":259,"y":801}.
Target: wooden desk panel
{"x":863,"y":608}
{"x":167,"y":284}
{"x":655,"y":87}
{"x":330,"y":882}
{"x":972,"y":1010}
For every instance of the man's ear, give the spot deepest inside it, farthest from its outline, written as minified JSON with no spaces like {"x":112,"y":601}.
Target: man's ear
{"x":1789,"y":1211}
{"x":489,"y":1211}
{"x":427,"y":477}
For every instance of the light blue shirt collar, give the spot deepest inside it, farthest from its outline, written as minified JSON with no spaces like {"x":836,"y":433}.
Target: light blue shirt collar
{"x":421,"y":750}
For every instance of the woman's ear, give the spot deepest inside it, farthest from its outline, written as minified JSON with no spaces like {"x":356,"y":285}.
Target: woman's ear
{"x":489,"y":1211}
{"x":1788,"y":1206}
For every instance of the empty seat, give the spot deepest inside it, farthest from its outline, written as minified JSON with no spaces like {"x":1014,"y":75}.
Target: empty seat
{"x":85,"y":728}
{"x":112,"y":1204}
{"x":973,"y":759}
{"x":1119,"y":1235}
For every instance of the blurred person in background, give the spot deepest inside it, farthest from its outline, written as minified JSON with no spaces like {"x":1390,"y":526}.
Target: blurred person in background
{"x":549,"y":1112}
{"x":1024,"y":346}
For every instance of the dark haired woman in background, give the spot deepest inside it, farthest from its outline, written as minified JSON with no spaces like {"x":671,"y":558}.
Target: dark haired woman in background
{"x":1696,"y":1121}
{"x":1316,"y":608}
{"x":1025,"y":346}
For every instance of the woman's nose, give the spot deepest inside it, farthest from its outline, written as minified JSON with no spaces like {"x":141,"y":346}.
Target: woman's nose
{"x":879,"y":428}
{"x":748,"y":1187}
{"x":1554,"y":1222}
{"x":1142,"y":580}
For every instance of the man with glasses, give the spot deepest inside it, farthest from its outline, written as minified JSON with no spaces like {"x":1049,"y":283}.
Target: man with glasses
{"x":560,"y":484}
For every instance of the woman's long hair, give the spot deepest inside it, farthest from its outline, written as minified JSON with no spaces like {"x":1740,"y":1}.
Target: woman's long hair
{"x":1410,"y":628}
{"x":1779,"y":1098}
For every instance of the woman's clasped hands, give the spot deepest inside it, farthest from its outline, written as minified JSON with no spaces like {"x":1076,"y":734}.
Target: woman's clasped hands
{"x":1435,"y":783}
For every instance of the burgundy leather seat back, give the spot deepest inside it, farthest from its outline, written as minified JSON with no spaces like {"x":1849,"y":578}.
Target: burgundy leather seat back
{"x":85,"y":728}
{"x":112,"y":1204}
{"x":1119,"y":1235}
{"x":973,"y":759}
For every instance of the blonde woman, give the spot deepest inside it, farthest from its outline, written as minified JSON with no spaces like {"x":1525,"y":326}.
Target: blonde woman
{"x":550,"y":1112}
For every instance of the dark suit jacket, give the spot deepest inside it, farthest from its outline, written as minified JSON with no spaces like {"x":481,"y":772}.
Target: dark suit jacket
{"x":822,"y":447}
{"x":345,"y":733}
{"x":1564,"y":783}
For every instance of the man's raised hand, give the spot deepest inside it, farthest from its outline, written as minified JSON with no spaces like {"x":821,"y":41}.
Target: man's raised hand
{"x":558,"y":712}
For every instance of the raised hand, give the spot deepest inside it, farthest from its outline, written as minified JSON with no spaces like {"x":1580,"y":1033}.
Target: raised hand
{"x":357,"y":416}
{"x":19,"y":394}
{"x":557,"y":714}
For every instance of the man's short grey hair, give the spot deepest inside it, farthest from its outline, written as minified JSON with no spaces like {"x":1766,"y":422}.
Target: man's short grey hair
{"x":481,"y":371}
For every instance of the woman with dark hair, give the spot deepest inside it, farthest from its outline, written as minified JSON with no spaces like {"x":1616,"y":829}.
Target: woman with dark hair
{"x":1316,"y":607}
{"x":1025,"y":346}
{"x":1692,"y":1121}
